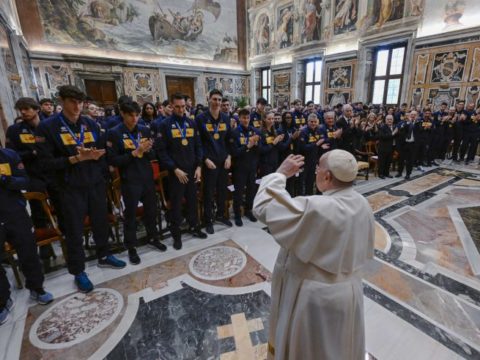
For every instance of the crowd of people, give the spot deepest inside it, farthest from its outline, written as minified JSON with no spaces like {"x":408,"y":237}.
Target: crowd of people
{"x":74,"y":149}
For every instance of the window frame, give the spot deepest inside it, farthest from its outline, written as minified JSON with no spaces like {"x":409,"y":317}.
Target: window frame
{"x":387,"y":77}
{"x":268,"y":87}
{"x":312,"y":83}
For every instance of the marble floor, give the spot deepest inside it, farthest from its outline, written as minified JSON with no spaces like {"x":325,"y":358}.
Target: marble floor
{"x":211,"y":299}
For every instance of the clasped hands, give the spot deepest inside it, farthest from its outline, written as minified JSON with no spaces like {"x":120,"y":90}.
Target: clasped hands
{"x":84,"y":154}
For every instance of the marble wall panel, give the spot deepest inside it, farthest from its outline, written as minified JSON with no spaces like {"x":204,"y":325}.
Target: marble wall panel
{"x":445,"y":73}
{"x":340,"y":81}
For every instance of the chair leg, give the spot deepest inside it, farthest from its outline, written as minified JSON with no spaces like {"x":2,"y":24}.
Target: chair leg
{"x":16,"y":272}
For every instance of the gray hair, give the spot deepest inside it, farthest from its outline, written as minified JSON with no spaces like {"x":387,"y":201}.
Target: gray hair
{"x":312,"y":116}
{"x":330,"y":114}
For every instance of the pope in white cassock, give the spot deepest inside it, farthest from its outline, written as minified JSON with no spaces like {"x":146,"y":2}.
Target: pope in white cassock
{"x":325,"y":240}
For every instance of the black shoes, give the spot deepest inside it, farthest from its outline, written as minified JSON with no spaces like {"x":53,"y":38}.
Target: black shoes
{"x":155,"y":243}
{"x":407,"y":177}
{"x":177,"y":243}
{"x":389,"y":176}
{"x":398,"y":175}
{"x":209,"y":229}
{"x":195,"y":231}
{"x":224,"y":221}
{"x":250,"y":217}
{"x":238,"y":221}
{"x":133,"y":256}
{"x":382,"y":177}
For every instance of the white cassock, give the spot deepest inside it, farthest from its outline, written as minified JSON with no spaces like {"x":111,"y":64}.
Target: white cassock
{"x":317,"y":295}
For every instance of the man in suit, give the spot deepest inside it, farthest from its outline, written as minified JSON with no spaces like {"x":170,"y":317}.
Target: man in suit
{"x":407,"y":146}
{"x":386,"y":143}
{"x":344,"y":122}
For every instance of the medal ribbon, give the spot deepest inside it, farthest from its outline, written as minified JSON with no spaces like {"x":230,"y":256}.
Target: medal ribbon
{"x":183,"y":131}
{"x":82,"y":132}
{"x":137,"y":141}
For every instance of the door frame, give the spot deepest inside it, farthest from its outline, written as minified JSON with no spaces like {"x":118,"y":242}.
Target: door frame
{"x":198,"y":90}
{"x":80,"y":78}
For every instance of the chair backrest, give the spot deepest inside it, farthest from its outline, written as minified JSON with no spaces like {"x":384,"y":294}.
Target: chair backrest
{"x":371,"y":147}
{"x":43,"y":198}
{"x":162,"y":175}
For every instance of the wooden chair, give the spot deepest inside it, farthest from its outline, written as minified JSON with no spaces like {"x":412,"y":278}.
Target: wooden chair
{"x":371,"y":149}
{"x":112,"y":219}
{"x":43,"y":236}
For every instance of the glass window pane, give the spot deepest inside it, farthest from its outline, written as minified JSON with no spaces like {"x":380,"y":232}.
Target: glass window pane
{"x":265,"y":78}
{"x":309,"y":72}
{"x":269,"y":76}
{"x":393,"y":91}
{"x":308,"y":93}
{"x":316,"y":94}
{"x":318,"y":71}
{"x":396,"y":64}
{"x":265,"y":93}
{"x":382,"y":60}
{"x":378,"y":90}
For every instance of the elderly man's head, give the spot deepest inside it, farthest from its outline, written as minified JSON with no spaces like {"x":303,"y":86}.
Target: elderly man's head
{"x":347,"y":111}
{"x":336,"y":169}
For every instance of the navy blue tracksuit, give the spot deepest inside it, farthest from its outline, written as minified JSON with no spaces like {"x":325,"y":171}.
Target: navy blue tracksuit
{"x":269,"y":153}
{"x":136,"y":177}
{"x":311,"y":151}
{"x":178,"y":145}
{"x":214,"y":134}
{"x":82,"y":185}
{"x":245,"y":163}
{"x":15,"y":224}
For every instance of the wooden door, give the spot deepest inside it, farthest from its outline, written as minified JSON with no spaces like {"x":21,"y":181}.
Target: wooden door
{"x":102,"y":91}
{"x":180,"y":85}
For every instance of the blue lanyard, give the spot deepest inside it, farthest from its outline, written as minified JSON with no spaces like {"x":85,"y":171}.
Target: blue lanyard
{"x":82,"y":132}
{"x":137,"y":141}
{"x":183,"y":131}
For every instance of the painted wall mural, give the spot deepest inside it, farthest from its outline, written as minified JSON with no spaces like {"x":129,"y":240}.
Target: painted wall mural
{"x":310,"y":15}
{"x":449,"y":15}
{"x":262,"y":35}
{"x":50,"y":75}
{"x":200,"y":29}
{"x":383,"y":11}
{"x":284,"y":29}
{"x":346,"y":15}
{"x":446,"y":73}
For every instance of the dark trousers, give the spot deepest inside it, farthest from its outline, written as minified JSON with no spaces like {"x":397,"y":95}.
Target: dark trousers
{"x":309,"y":177}
{"x":215,"y":184}
{"x":469,"y":146}
{"x":132,"y":194}
{"x":407,"y":154}
{"x":384,"y":161}
{"x":419,"y":157}
{"x":178,"y":192}
{"x":443,"y":146}
{"x":16,"y":229}
{"x":244,"y":183}
{"x":76,"y":204}
{"x":457,"y":139}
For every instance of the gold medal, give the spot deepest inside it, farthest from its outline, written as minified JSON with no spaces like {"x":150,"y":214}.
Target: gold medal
{"x":216,"y":136}
{"x":184,"y":142}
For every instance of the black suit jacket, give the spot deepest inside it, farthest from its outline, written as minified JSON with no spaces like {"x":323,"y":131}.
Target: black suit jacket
{"x":385,"y":139}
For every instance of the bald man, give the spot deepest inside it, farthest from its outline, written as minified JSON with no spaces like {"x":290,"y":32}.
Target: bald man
{"x":317,"y":296}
